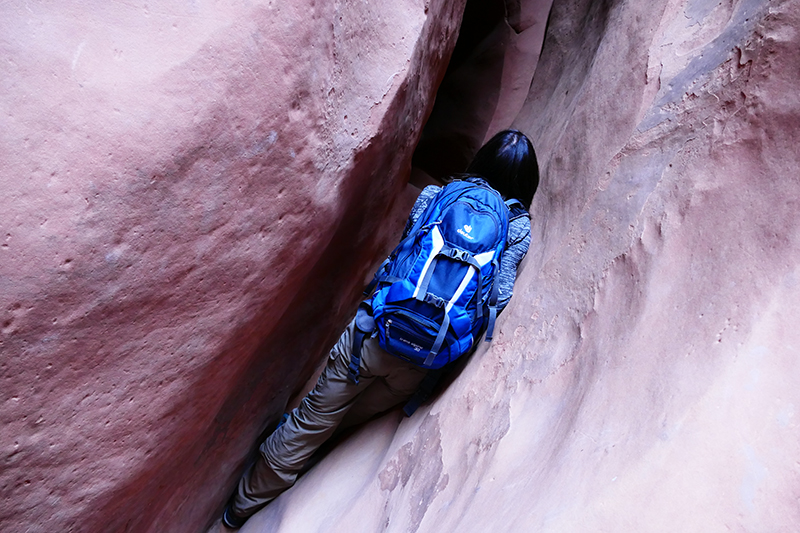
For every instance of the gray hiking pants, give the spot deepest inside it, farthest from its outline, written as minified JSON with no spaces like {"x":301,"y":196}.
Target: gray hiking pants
{"x":385,"y":381}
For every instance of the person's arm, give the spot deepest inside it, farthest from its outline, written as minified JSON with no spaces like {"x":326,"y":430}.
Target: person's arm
{"x":420,"y":204}
{"x":519,"y":239}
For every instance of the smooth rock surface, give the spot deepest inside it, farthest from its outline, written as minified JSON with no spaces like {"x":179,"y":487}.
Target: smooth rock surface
{"x":193,"y":193}
{"x":645,"y":375}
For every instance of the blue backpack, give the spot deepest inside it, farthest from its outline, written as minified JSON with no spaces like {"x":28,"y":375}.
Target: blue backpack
{"x":436,"y":293}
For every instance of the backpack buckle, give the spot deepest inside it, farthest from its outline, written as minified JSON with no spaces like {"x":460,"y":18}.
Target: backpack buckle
{"x":434,"y":300}
{"x":458,"y":255}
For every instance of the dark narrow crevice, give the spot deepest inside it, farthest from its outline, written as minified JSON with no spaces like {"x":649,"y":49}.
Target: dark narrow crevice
{"x":468,"y":95}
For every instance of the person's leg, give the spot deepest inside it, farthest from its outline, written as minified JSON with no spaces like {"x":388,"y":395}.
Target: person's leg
{"x":398,"y":381}
{"x":285,"y":451}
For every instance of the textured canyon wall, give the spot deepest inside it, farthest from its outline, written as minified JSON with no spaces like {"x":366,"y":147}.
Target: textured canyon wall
{"x":191,"y":200}
{"x":645,"y":375}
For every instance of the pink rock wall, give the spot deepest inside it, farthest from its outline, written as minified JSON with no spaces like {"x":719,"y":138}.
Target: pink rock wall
{"x":645,"y":374}
{"x":192,"y":198}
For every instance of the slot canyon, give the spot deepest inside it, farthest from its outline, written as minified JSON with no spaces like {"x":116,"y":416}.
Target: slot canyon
{"x":196,"y":193}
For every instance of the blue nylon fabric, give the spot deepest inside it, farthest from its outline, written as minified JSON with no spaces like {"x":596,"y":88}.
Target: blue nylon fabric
{"x":473,"y":220}
{"x":517,"y":244}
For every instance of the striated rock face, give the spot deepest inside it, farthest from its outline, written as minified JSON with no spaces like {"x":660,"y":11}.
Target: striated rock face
{"x":645,"y":375}
{"x":192,"y":196}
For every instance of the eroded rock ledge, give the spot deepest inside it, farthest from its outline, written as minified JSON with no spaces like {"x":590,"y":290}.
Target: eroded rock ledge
{"x":193,"y":195}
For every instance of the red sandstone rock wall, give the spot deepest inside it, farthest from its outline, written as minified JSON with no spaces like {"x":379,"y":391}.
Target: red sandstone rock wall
{"x":191,"y":198}
{"x":645,"y":375}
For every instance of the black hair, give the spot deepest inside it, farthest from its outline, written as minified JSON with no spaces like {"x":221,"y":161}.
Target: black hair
{"x":508,"y":162}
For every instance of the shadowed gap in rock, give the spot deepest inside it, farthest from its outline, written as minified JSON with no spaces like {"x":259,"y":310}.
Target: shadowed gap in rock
{"x":466,"y":97}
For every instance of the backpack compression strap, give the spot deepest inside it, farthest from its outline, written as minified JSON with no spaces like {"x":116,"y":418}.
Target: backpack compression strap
{"x":421,"y":292}
{"x":437,"y":345}
{"x":452,"y":253}
{"x":424,"y":390}
{"x":514,"y":202}
{"x":365,"y":325}
{"x":493,"y":304}
{"x":511,"y":204}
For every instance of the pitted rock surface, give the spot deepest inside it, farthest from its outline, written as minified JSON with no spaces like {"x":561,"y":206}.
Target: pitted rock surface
{"x":644,"y":374}
{"x":189,"y":187}
{"x":193,"y":196}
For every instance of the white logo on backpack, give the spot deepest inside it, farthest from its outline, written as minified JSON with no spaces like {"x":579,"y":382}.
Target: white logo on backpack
{"x":466,"y":232}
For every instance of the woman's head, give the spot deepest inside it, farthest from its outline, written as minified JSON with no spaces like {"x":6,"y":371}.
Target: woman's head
{"x":507,"y":161}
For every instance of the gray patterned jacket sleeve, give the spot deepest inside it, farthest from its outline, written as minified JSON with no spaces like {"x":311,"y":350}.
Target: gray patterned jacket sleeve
{"x":519,"y":239}
{"x":420,"y":204}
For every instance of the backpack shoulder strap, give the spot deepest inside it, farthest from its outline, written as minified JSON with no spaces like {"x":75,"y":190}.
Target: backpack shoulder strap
{"x":516,"y":209}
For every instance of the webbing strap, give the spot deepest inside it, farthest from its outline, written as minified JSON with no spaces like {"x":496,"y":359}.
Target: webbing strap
{"x":493,"y":304}
{"x":437,"y":345}
{"x":511,"y":202}
{"x":424,"y":391}
{"x":479,"y":295}
{"x":422,"y":289}
{"x":438,"y":242}
{"x":478,"y":289}
{"x":492,"y":318}
{"x":364,"y":325}
{"x":379,"y":275}
{"x":355,"y":356}
{"x":458,"y":255}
